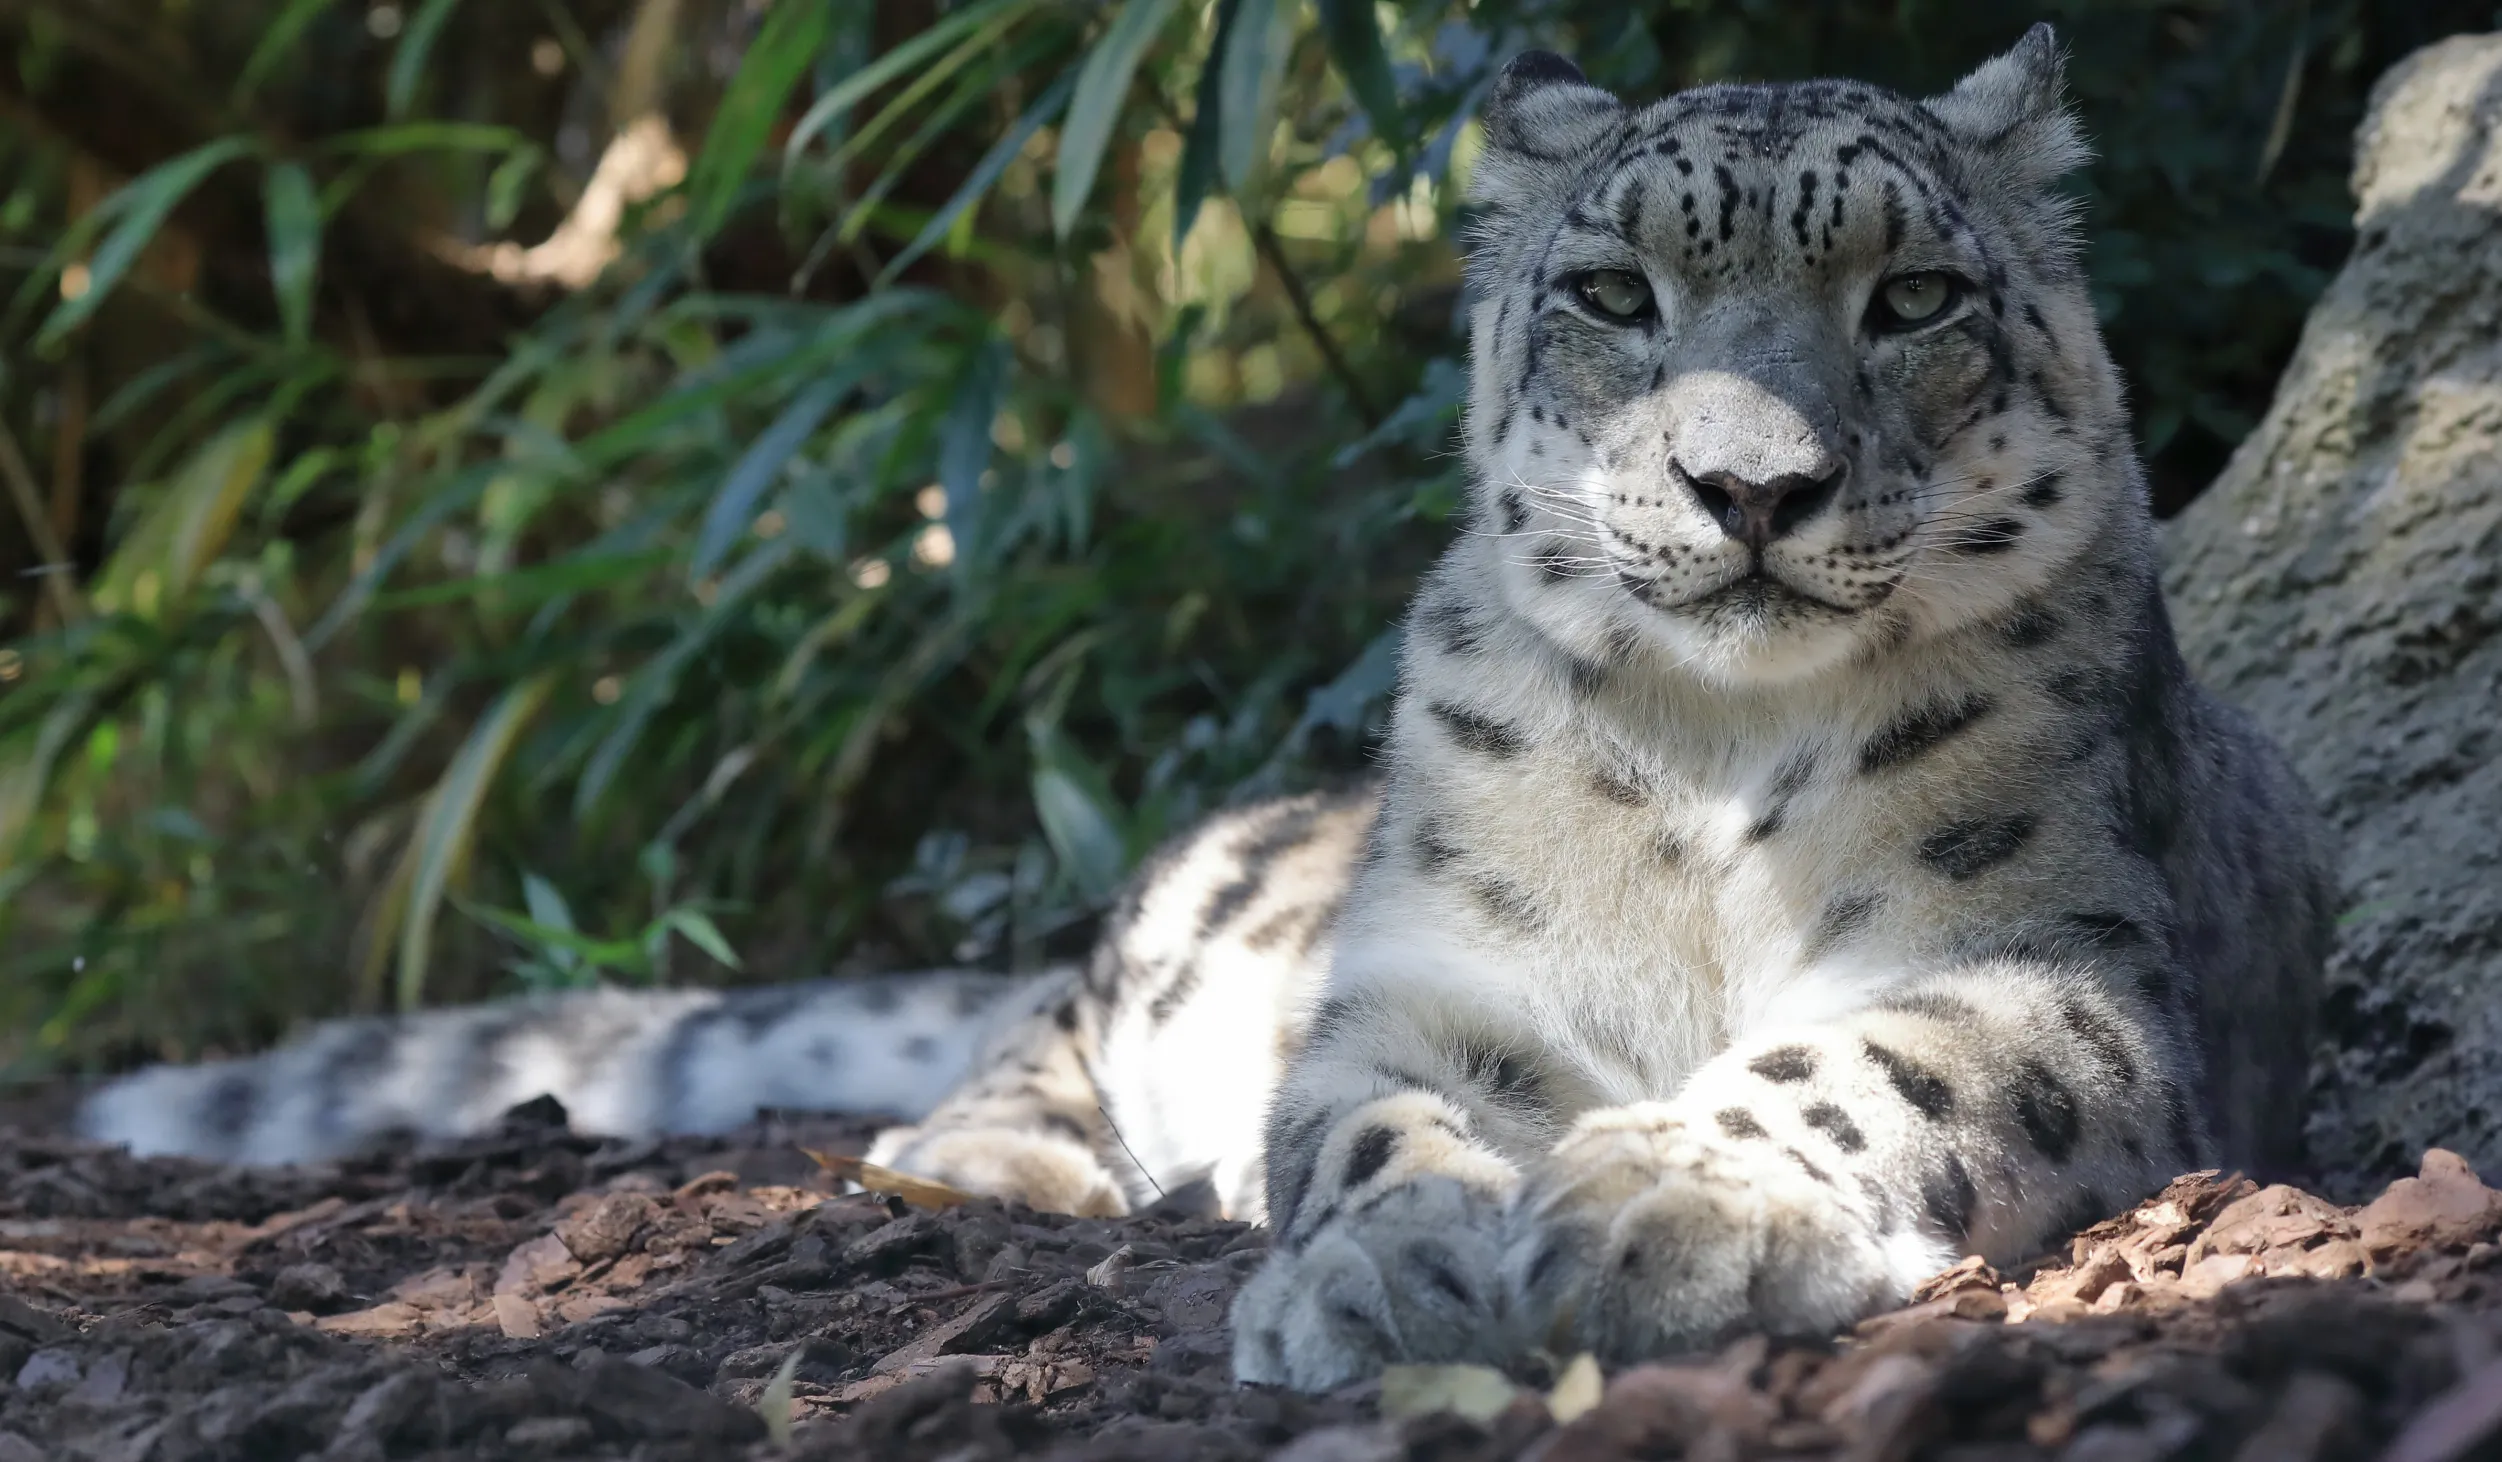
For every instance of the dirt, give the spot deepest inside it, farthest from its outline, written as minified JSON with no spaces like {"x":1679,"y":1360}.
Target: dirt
{"x":536,"y":1295}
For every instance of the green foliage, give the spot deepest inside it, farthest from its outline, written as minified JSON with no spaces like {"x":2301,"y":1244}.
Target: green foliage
{"x":557,"y":956}
{"x":902,"y":533}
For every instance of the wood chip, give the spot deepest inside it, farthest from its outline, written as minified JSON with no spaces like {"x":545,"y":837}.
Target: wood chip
{"x":516,"y":1317}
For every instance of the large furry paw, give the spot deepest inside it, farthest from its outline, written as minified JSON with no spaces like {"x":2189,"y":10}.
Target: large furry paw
{"x":1042,"y":1170}
{"x":1409,"y":1279}
{"x":1391,"y":1256}
{"x":1640,"y":1235}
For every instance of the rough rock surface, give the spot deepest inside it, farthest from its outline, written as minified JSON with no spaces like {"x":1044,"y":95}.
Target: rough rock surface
{"x":2343,"y":582}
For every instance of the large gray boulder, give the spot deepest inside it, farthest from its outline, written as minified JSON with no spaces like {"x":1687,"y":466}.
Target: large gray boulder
{"x":2343,"y":582}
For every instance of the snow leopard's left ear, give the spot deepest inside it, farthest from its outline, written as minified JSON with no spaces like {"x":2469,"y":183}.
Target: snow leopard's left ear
{"x":1541,"y":112}
{"x":1541,"y":105}
{"x":2013,"y":112}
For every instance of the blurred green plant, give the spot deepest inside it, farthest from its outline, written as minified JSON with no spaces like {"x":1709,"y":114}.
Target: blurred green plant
{"x":998,"y":432}
{"x":557,"y":956}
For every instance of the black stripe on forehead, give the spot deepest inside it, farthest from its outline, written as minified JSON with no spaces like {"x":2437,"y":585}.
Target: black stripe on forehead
{"x":1770,"y":121}
{"x":1627,"y":208}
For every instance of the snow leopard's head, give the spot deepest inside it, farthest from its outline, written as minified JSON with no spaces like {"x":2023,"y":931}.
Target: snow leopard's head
{"x":1780,"y":375}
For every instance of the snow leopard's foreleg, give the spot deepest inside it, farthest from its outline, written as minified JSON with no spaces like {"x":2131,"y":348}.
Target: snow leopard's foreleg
{"x":1806,"y":1177}
{"x":1800,"y":1179}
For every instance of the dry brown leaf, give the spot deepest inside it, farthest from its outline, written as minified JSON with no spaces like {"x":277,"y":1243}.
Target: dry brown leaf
{"x":1576,"y":1390}
{"x":778,"y":1400}
{"x":1479,"y":1393}
{"x":876,"y":1179}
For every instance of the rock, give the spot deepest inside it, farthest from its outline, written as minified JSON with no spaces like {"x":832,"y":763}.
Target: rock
{"x":639,"y":1401}
{"x":2342,"y":581}
{"x":888,"y":1249}
{"x":2457,"y":1423}
{"x":548,"y":1433}
{"x":315,"y":1287}
{"x":2319,"y":1416}
{"x":516,"y":1317}
{"x":2444,"y":1207}
{"x":390,"y":1407}
{"x":39,"y":1326}
{"x":537,"y":1266}
{"x":605,"y":1229}
{"x":2277,"y":1217}
{"x":1671,"y":1410}
{"x":49,"y":1370}
{"x":980,"y":1323}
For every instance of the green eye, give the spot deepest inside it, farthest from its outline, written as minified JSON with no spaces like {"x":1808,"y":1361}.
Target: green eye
{"x":1616,"y":292}
{"x":1911,"y":298}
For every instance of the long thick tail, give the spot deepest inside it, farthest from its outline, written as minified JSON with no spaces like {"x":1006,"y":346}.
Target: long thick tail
{"x":624,"y":1063}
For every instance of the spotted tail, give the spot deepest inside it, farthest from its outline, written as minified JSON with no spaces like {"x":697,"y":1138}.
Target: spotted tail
{"x":623,"y":1063}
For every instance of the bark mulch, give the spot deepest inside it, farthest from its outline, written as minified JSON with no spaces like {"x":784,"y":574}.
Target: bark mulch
{"x":535,"y":1295}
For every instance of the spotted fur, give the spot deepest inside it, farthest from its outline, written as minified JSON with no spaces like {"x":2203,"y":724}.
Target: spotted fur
{"x":1980,"y":915}
{"x":1803,"y":857}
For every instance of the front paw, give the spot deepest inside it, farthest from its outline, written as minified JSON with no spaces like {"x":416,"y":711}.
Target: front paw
{"x":1641,"y":1236}
{"x":1388,"y":1252}
{"x":1409,"y":1277}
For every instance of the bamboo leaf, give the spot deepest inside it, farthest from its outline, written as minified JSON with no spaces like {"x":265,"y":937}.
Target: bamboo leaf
{"x":567,"y":947}
{"x":775,"y":60}
{"x":784,"y":356}
{"x":964,"y":442}
{"x":276,"y":44}
{"x":547,"y":908}
{"x":1102,"y":87}
{"x":734,"y":506}
{"x":571,"y":574}
{"x":402,"y":138}
{"x":1254,"y":63}
{"x":858,"y":86}
{"x":505,"y":184}
{"x":26,"y":762}
{"x":546,"y":905}
{"x":408,"y":59}
{"x":969,"y":91}
{"x":294,"y":246}
{"x":699,"y":930}
{"x":1355,"y":44}
{"x":140,"y":209}
{"x":1197,"y":175}
{"x":187,"y":528}
{"x":447,"y":830}
{"x":983,"y":177}
{"x":655,"y":682}
{"x":1079,"y":817}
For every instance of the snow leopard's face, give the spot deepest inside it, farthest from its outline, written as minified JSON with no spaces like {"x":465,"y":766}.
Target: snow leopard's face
{"x":1780,"y":374}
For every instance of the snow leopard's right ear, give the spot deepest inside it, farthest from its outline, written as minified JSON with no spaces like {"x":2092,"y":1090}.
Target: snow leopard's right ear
{"x":2013,"y":112}
{"x":1541,"y":111}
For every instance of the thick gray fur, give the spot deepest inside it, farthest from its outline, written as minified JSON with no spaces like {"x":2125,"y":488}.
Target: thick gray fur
{"x":1750,"y":922}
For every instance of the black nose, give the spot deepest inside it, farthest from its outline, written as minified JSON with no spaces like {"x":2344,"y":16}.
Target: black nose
{"x":1755,"y":513}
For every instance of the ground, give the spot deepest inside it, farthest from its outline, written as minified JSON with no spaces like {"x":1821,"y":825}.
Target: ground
{"x":536,"y":1295}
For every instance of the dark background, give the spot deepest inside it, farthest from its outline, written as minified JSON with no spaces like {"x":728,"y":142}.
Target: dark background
{"x":868,"y":566}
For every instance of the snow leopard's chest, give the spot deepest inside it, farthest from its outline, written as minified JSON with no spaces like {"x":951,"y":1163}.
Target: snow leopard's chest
{"x":1645,"y":882}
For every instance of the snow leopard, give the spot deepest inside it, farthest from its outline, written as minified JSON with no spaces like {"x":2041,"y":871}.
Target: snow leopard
{"x":1801,"y":856}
